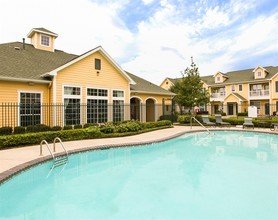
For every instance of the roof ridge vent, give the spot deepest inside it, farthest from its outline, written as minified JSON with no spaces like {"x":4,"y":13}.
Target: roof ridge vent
{"x":17,"y":48}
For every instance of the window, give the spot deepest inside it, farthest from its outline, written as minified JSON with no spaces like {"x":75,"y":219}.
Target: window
{"x":233,"y":88}
{"x":118,"y":110}
{"x":30,"y":109}
{"x":259,"y":74}
{"x":257,"y":104}
{"x":97,"y":105}
{"x":218,"y":79}
{"x":276,"y":86}
{"x":118,"y":93}
{"x":44,"y":40}
{"x":97,"y":92}
{"x":118,"y":105}
{"x":240,"y":88}
{"x":97,"y":64}
{"x":72,"y":105}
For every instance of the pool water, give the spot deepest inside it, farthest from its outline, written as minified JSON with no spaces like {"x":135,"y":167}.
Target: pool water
{"x":225,"y":175}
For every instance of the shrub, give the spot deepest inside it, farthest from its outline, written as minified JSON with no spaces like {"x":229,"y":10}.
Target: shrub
{"x":87,"y":125}
{"x":37,"y":128}
{"x":234,"y":121}
{"x":35,"y":138}
{"x":19,"y":130}
{"x":107,"y":128}
{"x":173,"y":118}
{"x":56,"y":128}
{"x":202,"y":113}
{"x":242,"y":114}
{"x":67,"y":127}
{"x":92,"y":132}
{"x":6,"y":131}
{"x":128,"y":127}
{"x":184,"y":119}
{"x":77,"y":126}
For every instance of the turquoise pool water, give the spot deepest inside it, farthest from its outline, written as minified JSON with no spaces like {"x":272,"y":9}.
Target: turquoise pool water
{"x":228,"y":175}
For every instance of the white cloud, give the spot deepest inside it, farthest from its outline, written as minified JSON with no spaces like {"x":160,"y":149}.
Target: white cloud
{"x":147,"y":2}
{"x":161,"y":45}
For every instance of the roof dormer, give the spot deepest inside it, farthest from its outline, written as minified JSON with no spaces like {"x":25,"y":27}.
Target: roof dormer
{"x":219,"y":77}
{"x":42,"y":39}
{"x":259,"y":72}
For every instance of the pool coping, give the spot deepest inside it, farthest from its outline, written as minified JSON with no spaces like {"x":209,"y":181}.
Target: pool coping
{"x":10,"y":173}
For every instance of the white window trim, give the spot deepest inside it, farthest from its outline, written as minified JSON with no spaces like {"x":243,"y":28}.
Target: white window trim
{"x":97,"y":97}
{"x":118,"y":98}
{"x":70,"y":97}
{"x":18,"y":98}
{"x":233,"y":86}
{"x":43,"y":35}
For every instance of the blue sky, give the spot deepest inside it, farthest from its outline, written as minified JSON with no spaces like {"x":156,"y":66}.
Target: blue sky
{"x":155,"y":39}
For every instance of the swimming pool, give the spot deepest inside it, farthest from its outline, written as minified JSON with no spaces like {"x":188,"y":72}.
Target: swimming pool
{"x":225,"y":175}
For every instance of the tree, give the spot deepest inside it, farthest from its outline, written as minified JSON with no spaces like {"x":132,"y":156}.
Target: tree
{"x":189,"y":90}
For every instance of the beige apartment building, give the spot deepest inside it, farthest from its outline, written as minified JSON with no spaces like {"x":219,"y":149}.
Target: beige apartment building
{"x":233,"y":92}
{"x":42,"y":85}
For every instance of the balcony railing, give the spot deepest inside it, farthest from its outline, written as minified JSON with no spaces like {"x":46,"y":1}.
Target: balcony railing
{"x":220,"y":95}
{"x":259,"y":93}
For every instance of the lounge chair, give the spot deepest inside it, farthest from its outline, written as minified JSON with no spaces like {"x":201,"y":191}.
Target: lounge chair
{"x":218,"y":120}
{"x":248,"y":123}
{"x":206,"y":120}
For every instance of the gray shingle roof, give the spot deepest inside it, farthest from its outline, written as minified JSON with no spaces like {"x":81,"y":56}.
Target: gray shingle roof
{"x":241,"y":76}
{"x":236,"y":76}
{"x":29,"y":63}
{"x":43,"y":30}
{"x":145,"y":86}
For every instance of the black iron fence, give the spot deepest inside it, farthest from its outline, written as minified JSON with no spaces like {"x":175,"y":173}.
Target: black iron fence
{"x":18,"y":114}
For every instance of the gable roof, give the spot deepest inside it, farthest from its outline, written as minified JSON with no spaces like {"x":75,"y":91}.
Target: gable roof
{"x":238,"y":96}
{"x":30,"y":63}
{"x":241,"y":76}
{"x":43,"y":31}
{"x":219,"y":73}
{"x":144,"y":86}
{"x":97,"y":49}
{"x":238,"y":76}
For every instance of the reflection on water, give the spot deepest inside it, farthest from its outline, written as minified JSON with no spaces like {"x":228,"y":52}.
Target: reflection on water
{"x":252,"y":143}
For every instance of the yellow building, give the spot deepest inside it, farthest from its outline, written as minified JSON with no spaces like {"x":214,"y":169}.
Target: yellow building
{"x":233,"y":92}
{"x":42,"y":85}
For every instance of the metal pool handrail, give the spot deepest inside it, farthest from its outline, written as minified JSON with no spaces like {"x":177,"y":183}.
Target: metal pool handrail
{"x":54,"y":146}
{"x":193,"y":117}
{"x":41,"y":144}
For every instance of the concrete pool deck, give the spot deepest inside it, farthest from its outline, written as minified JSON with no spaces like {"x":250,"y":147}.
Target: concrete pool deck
{"x":15,"y":160}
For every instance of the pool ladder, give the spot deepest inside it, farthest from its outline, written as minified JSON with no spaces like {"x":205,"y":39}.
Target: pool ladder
{"x":58,"y":160}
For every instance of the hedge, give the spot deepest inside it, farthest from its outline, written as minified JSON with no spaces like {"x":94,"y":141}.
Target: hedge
{"x":128,"y":128}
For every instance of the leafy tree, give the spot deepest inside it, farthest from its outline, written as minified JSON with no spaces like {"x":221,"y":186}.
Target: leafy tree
{"x":189,"y":90}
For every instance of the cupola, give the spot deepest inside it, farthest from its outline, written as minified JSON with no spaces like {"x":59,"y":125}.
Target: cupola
{"x":42,"y":39}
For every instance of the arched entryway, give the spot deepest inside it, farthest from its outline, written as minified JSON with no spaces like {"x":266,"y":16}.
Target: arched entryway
{"x":150,"y":110}
{"x":135,"y":109}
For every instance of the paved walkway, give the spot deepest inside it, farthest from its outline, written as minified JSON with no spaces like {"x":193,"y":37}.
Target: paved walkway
{"x":17,"y":159}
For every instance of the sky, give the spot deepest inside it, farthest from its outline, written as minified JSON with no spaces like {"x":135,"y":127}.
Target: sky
{"x":155,"y":39}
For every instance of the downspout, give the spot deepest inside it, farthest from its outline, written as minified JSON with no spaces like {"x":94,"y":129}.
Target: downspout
{"x":54,"y":93}
{"x":49,"y":101}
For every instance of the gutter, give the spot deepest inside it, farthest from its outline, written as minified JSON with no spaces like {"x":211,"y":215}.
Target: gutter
{"x":157,"y":93}
{"x":13,"y":79}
